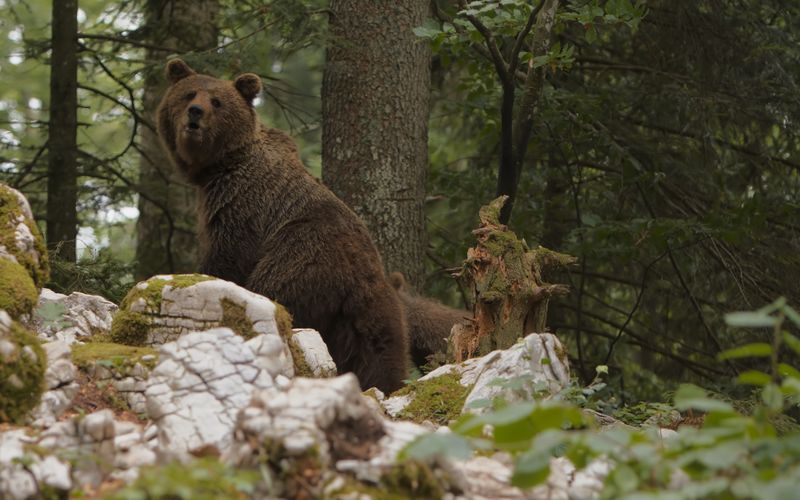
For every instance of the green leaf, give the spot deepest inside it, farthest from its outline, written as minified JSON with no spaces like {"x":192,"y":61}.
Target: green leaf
{"x":792,"y":314}
{"x":750,"y":319}
{"x":690,"y":396}
{"x":754,"y":350}
{"x":786,"y":370}
{"x":531,"y":469}
{"x":753,"y":377}
{"x":772,"y":397}
{"x":601,"y":369}
{"x":437,"y":444}
{"x":792,"y":341}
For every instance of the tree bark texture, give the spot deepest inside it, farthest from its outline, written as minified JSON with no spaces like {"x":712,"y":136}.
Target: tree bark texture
{"x":517,"y":136}
{"x":166,"y":238}
{"x":375,"y":103}
{"x":62,"y":169}
{"x":510,"y":299}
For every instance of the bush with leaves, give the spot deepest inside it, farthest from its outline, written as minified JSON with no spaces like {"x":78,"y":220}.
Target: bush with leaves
{"x":730,"y":455}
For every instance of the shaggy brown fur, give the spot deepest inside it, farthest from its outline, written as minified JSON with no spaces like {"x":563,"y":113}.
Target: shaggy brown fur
{"x":268,"y":225}
{"x":429,"y":322}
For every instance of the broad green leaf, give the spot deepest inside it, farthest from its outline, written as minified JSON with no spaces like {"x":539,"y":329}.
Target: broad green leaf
{"x":754,"y":350}
{"x":531,"y":469}
{"x":792,"y":341}
{"x":772,"y":397}
{"x":754,"y":377}
{"x":750,"y":320}
{"x":436,"y":444}
{"x":692,"y":397}
{"x":601,"y":369}
{"x":786,"y":370}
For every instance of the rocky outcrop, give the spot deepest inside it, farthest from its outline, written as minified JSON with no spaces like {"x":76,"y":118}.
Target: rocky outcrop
{"x":60,"y":383}
{"x":72,"y":318}
{"x":202,"y":380}
{"x":165,"y":307}
{"x":310,"y":354}
{"x":536,"y":365}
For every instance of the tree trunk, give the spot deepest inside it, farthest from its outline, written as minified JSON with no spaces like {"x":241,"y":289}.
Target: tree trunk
{"x":166,"y":238}
{"x":375,"y":94}
{"x":62,"y":169}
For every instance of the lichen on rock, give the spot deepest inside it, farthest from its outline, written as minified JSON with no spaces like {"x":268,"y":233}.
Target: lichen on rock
{"x":22,"y":368}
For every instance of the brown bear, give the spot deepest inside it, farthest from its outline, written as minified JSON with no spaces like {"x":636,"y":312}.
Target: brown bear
{"x":429,"y":322}
{"x":265,"y":223}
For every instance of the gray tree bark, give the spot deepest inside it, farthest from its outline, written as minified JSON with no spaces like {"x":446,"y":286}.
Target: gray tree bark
{"x":62,"y":168}
{"x":375,"y":103}
{"x":166,"y":239}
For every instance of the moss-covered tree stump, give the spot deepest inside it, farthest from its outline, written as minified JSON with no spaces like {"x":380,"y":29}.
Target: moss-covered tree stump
{"x":505,"y":277}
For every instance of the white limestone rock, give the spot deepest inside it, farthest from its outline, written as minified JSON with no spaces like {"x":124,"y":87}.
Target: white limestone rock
{"x":315,"y":353}
{"x":524,"y":361}
{"x":18,"y":483}
{"x":201,"y":382}
{"x":165,"y":307}
{"x":60,"y":382}
{"x":72,"y":318}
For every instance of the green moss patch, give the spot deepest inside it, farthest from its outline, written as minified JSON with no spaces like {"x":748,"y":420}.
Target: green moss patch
{"x":120,"y":355}
{"x":284,"y":322}
{"x":151,"y":294}
{"x":129,"y":328}
{"x":201,"y":479}
{"x":234,"y":316}
{"x":10,"y":209}
{"x":18,"y":294}
{"x":438,"y":400}
{"x":413,"y":480}
{"x":21,"y":374}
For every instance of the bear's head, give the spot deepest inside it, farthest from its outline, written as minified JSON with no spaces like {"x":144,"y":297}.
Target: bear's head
{"x":201,"y":118}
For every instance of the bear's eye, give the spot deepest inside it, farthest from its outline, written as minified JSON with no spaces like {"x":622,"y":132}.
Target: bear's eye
{"x":190,"y":96}
{"x":215,"y":102}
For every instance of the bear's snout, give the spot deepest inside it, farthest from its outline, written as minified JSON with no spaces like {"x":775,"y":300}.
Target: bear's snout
{"x":195,"y":113}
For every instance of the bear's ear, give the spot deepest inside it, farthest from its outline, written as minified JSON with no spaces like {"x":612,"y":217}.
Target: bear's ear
{"x":178,"y":70}
{"x":249,"y":85}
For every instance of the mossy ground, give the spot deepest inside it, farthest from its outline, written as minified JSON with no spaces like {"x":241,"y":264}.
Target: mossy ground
{"x":10,"y":209}
{"x":21,"y":375}
{"x":18,"y":294}
{"x":438,"y":400}
{"x":84,"y":355}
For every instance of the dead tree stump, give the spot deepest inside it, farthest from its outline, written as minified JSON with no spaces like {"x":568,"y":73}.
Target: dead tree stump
{"x":505,"y":277}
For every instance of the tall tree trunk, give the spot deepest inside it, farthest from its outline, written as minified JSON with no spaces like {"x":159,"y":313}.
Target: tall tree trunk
{"x":62,"y":169}
{"x":375,"y":94}
{"x":166,"y":240}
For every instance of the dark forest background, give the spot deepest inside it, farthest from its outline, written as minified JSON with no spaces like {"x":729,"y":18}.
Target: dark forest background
{"x":658,"y":142}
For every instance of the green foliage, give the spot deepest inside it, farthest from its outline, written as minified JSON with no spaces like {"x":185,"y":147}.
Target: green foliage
{"x":203,"y":479}
{"x":732,"y":455}
{"x":98,"y":274}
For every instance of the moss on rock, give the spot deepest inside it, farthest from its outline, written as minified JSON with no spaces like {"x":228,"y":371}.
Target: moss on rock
{"x":84,"y":355}
{"x":154,"y":287}
{"x":10,"y":210}
{"x":22,"y":366}
{"x":129,"y":328}
{"x":439,"y":399}
{"x":18,"y":294}
{"x":234,"y":316}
